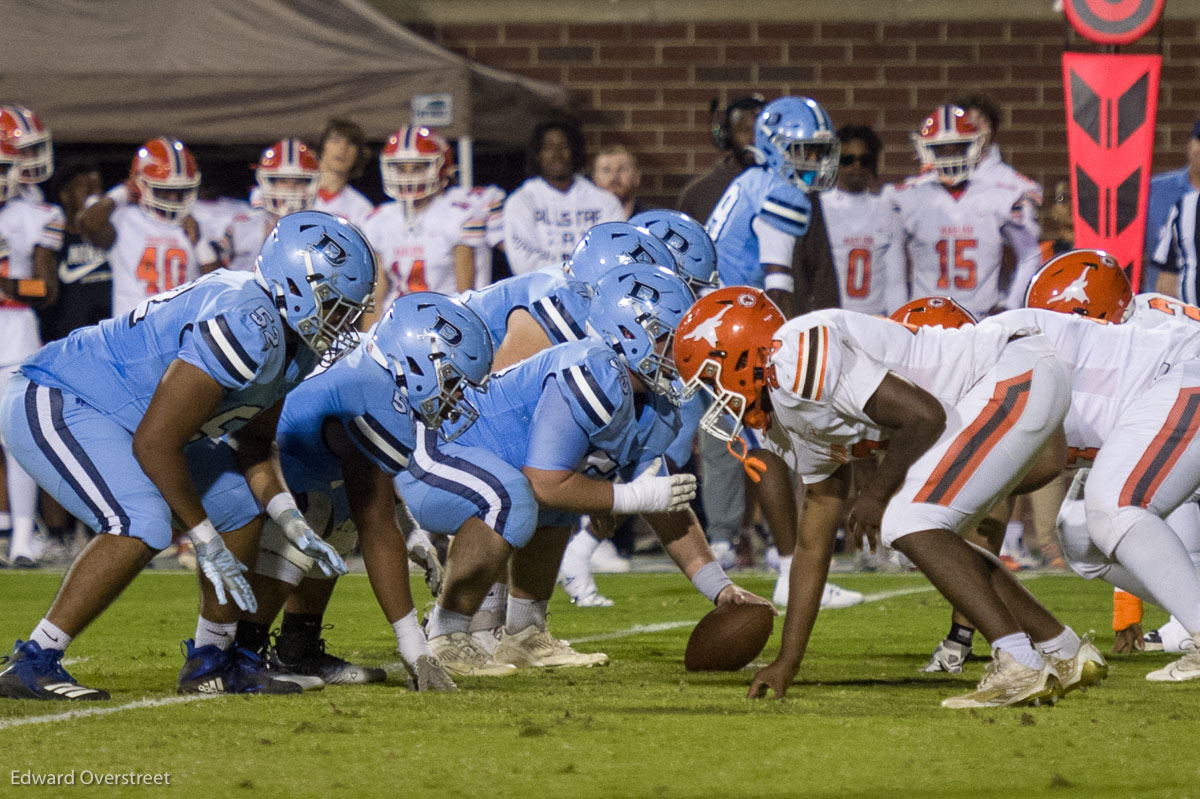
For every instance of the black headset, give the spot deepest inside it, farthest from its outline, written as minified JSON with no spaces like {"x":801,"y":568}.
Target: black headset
{"x":720,"y":128}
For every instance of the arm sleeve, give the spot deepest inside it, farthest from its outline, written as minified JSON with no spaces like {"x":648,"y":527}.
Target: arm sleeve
{"x":522,"y":244}
{"x":556,"y":440}
{"x":51,"y":234}
{"x":775,"y":246}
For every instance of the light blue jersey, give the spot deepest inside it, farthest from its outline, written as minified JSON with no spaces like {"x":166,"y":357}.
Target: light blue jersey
{"x":224,"y":324}
{"x":559,"y":304}
{"x":754,"y":194}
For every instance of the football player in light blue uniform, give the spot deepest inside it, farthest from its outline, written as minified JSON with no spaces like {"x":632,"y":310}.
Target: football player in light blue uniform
{"x":343,"y":435}
{"x":554,"y":430}
{"x":756,"y":222}
{"x":694,"y":251}
{"x":103,"y":419}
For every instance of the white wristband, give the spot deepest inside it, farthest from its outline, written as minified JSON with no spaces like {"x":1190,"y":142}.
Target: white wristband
{"x":280,"y":505}
{"x":203,"y":532}
{"x":780,"y":281}
{"x":91,"y":200}
{"x":710,"y":580}
{"x":119,"y":194}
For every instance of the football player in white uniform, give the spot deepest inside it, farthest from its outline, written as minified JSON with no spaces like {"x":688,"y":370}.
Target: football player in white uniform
{"x":867,"y":244}
{"x":343,"y":154}
{"x":489,"y":208}
{"x":142,"y":223}
{"x":1133,"y":522}
{"x":966,"y":413}
{"x":960,"y":212}
{"x":550,"y":212}
{"x":31,"y":234}
{"x":425,"y":239}
{"x":287,"y":177}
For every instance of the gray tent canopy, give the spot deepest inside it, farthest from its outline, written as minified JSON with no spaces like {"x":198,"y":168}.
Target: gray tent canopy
{"x":244,"y":72}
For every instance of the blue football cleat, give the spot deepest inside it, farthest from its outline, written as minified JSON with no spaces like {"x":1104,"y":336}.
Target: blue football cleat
{"x":212,"y":670}
{"x":36,"y":673}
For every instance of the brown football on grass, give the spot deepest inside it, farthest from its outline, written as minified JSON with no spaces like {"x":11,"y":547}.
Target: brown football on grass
{"x":729,"y":637}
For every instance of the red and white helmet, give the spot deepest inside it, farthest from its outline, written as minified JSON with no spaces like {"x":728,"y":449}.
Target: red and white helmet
{"x":415,"y":163}
{"x":949,"y":143}
{"x":1085,"y":282}
{"x":167,"y":178}
{"x":933,"y":312}
{"x":10,"y":170}
{"x":288,"y":177}
{"x":23,"y":132}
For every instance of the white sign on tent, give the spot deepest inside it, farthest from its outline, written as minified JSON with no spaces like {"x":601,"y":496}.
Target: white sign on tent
{"x":433,"y":110}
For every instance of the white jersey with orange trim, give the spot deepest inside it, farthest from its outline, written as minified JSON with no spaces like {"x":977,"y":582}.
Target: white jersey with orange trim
{"x":488,"y":202}
{"x":349,"y":202}
{"x":417,"y":253}
{"x":1151,"y":309}
{"x":956,"y":236}
{"x":244,"y":237}
{"x":25,"y":224}
{"x":149,"y":256}
{"x":1112,"y":366}
{"x":868,"y":250}
{"x":829,"y":363}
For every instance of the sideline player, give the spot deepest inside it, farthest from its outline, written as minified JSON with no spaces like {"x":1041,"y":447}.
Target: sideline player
{"x":958,"y":214}
{"x":426,"y":237}
{"x":287,"y":176}
{"x":31,"y":234}
{"x":144,"y":225}
{"x":823,"y":399}
{"x":103,"y":420}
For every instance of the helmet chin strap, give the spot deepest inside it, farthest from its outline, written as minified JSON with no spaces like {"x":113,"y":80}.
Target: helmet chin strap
{"x":754,"y":467}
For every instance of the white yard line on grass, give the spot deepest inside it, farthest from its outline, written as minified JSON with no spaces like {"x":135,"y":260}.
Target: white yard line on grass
{"x":6,"y":724}
{"x":641,"y":629}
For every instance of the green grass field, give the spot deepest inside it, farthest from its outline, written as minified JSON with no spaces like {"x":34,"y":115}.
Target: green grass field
{"x":861,"y":722}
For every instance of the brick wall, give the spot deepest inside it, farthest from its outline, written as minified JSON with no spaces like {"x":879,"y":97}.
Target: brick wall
{"x":648,"y":85}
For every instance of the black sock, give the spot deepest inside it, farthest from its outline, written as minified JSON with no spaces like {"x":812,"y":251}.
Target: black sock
{"x":960,"y":634}
{"x":302,"y":625}
{"x":252,"y":635}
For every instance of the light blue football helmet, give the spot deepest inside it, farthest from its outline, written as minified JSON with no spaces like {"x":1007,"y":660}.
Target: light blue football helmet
{"x":611,"y":244}
{"x":694,"y":250}
{"x":320,"y":272}
{"x":635,"y":310}
{"x":796,"y":140}
{"x":435,"y":347}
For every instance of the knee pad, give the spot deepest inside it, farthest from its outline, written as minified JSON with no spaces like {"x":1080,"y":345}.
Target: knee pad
{"x":278,"y":558}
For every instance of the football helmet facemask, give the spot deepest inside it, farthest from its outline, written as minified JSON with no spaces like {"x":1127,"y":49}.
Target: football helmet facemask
{"x":167,"y":178}
{"x":288,"y":176}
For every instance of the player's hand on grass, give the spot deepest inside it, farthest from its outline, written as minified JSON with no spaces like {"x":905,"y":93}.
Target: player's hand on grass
{"x":736,"y":595}
{"x":865,"y":517}
{"x":225,"y":572}
{"x":296,"y":529}
{"x":776,"y":677}
{"x":1129,"y":640}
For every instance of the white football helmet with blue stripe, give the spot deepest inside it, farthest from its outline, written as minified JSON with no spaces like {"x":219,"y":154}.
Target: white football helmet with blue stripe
{"x":320,"y":272}
{"x":695,"y":254}
{"x":635,"y":310}
{"x":435,"y":347}
{"x":796,"y":140}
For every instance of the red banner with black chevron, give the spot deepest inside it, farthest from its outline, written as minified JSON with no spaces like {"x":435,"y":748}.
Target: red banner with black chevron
{"x":1111,"y":102}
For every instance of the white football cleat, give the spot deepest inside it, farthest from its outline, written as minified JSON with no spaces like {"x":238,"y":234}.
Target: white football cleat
{"x":1185,"y":669}
{"x":536,"y":648}
{"x":1171,"y":637}
{"x":462,"y":657}
{"x":575,"y":576}
{"x":835,"y":597}
{"x":948,"y":657}
{"x":606,"y":559}
{"x":1007,"y":683}
{"x":1086,"y":669}
{"x":725,"y":554}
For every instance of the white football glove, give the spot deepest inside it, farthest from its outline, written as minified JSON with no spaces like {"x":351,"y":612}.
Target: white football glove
{"x":650,"y":493}
{"x":224,"y":571}
{"x":296,"y":529}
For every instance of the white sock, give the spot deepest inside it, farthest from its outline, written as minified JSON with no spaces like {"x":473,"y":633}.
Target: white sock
{"x":49,"y":636}
{"x":524,"y":613}
{"x":1155,"y":556}
{"x":785,"y":566}
{"x":583,"y":544}
{"x":410,"y":639}
{"x":1063,"y":646}
{"x":491,"y":611}
{"x":22,"y":539}
{"x":212,"y":633}
{"x":445,"y":622}
{"x":1019,"y":646}
{"x":1013,"y":532}
{"x":5,"y":520}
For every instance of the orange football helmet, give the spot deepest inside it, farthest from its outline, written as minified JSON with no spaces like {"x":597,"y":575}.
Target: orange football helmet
{"x":22,"y":132}
{"x":415,"y":163}
{"x":932,"y":312}
{"x":1086,"y":282}
{"x":288,"y":177}
{"x":167,"y":178}
{"x":949,"y":143}
{"x":721,"y":347}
